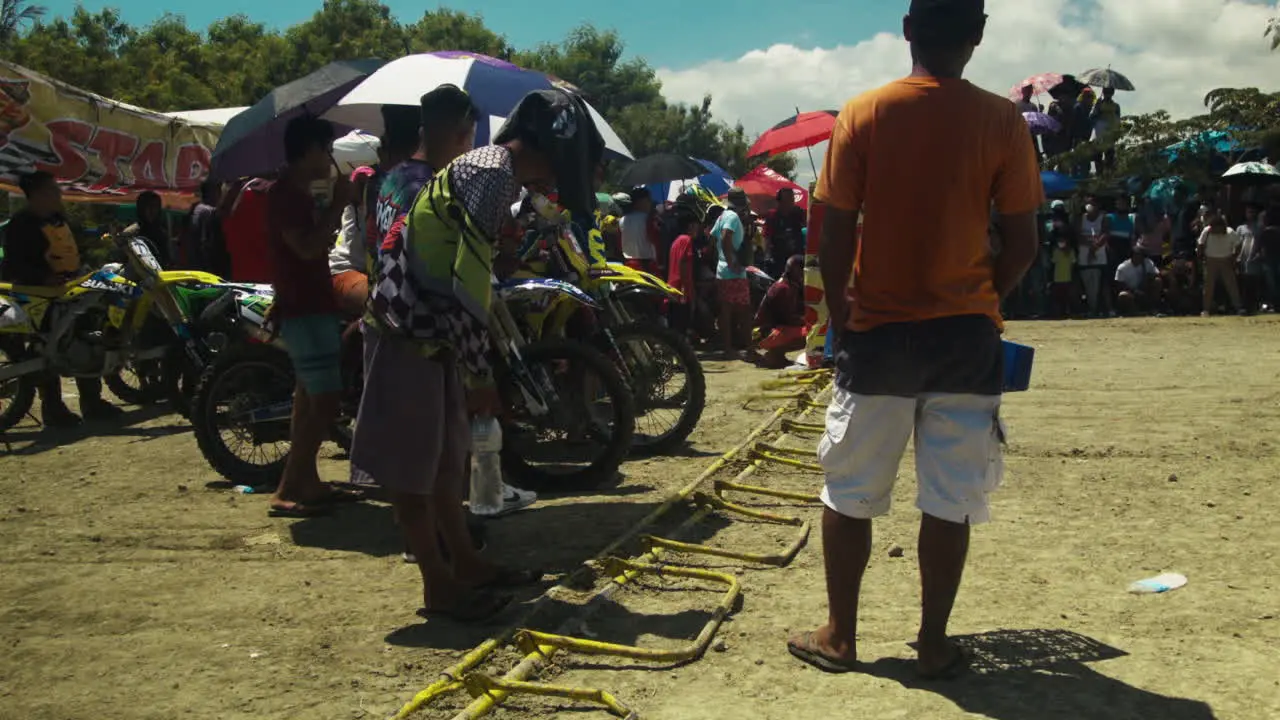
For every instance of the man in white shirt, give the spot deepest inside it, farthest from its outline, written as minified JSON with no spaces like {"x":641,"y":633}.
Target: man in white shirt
{"x":634,"y":228}
{"x":1138,"y":281}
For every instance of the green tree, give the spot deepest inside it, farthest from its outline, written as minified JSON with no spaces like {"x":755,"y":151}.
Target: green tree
{"x":83,"y":51}
{"x":167,"y":68}
{"x":1273,"y":30}
{"x":445,"y":29}
{"x":344,"y":30}
{"x":244,"y":61}
{"x":14,"y":14}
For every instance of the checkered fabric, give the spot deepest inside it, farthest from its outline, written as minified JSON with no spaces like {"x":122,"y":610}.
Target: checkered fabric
{"x":400,"y":304}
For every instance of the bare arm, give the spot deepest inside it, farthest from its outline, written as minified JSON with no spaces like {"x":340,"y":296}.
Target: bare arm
{"x":837,"y":249}
{"x":726,"y":247}
{"x":1017,"y":252}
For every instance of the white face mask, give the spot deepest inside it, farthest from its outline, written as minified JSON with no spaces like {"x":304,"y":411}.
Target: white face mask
{"x":1090,"y":208}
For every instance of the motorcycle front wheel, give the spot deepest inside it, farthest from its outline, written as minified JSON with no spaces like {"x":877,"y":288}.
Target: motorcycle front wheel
{"x":586,"y":431}
{"x":240,"y":413}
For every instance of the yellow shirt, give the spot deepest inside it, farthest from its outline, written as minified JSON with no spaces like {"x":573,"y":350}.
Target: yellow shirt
{"x":1063,"y":260}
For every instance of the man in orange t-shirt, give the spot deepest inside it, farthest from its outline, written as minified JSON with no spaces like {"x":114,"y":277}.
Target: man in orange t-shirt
{"x":924,"y":159}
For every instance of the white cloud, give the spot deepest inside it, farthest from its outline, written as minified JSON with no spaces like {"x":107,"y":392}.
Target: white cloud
{"x":1174,"y":51}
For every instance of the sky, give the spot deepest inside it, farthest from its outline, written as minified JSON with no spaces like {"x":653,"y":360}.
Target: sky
{"x":760,"y":59}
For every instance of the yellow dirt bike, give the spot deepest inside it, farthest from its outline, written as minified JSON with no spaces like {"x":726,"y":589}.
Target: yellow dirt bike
{"x":659,"y":364}
{"x":95,"y":325}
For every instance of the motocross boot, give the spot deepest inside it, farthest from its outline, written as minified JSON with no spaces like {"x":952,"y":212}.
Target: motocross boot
{"x":53,"y":411}
{"x":92,"y":406}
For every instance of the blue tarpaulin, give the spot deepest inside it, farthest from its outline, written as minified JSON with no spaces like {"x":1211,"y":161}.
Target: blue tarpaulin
{"x":1056,"y":184}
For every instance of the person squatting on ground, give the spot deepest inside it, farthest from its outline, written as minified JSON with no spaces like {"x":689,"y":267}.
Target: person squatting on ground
{"x":299,"y":238}
{"x":427,"y":347}
{"x":780,"y":317}
{"x":920,"y":352}
{"x":40,"y":249}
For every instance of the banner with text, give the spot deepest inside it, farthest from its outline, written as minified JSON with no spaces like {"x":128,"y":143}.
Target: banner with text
{"x":98,"y":149}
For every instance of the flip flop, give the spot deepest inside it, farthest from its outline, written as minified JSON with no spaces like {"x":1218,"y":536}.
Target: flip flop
{"x":339,"y":496}
{"x":803,"y":648}
{"x":955,"y":667}
{"x":298,"y":510}
{"x":507,"y":578}
{"x":472,"y":607}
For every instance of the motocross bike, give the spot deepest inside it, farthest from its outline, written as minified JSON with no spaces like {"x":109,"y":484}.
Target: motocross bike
{"x":244,"y":403}
{"x":91,"y":326}
{"x":659,"y":364}
{"x":194,"y":308}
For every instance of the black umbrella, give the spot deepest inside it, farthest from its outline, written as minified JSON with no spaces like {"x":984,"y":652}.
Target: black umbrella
{"x":663,"y":167}
{"x":252,"y":143}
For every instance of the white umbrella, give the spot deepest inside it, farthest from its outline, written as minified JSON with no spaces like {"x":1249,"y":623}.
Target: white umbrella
{"x":495,"y":86}
{"x":1251,"y":173}
{"x":354,"y":150}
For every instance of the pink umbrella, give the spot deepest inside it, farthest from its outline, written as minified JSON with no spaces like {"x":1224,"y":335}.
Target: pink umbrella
{"x":1042,"y":83}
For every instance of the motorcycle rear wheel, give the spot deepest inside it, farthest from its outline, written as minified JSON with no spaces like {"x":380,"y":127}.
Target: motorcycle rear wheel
{"x":658,"y":395}
{"x":18,"y":394}
{"x":139,"y":383}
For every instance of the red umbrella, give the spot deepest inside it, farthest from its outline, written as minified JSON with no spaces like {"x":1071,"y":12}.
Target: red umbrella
{"x":798,"y":131}
{"x":762,"y":186}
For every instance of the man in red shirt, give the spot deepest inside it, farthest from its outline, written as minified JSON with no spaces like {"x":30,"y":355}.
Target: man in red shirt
{"x":299,"y":237}
{"x":680,"y":274}
{"x":780,"y":317}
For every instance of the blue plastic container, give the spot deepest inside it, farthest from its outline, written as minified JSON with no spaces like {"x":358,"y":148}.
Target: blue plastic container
{"x":1017,"y":366}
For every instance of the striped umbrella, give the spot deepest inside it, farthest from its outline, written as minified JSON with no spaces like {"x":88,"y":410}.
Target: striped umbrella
{"x":495,"y":86}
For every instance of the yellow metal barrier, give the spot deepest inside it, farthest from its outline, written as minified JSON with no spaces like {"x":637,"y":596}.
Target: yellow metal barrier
{"x":539,"y":647}
{"x":480,"y":685}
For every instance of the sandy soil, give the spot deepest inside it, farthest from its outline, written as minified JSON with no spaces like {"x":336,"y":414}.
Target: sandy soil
{"x":134,"y":585}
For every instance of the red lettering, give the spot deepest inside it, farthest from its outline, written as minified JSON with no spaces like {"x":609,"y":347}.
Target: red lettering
{"x":192,"y":166}
{"x":112,"y":147}
{"x":148,"y":167}
{"x":68,"y":138}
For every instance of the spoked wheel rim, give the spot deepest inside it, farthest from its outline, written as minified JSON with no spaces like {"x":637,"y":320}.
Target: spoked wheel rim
{"x":242,"y":389}
{"x":660,"y":385}
{"x":578,"y":429}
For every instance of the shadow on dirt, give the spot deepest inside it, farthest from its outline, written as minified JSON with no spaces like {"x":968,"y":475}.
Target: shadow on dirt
{"x":31,"y":438}
{"x":1042,"y":674}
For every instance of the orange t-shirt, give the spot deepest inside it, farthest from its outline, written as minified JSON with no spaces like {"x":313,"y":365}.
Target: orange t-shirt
{"x":924,"y":159}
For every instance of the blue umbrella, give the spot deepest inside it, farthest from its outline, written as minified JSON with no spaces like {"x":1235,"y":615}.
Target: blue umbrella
{"x":717,"y":180}
{"x":1056,"y":184}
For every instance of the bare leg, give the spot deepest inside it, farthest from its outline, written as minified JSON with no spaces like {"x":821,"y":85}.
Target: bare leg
{"x":469,"y":566}
{"x":943,"y":549}
{"x":416,"y":514}
{"x":312,"y":416}
{"x":726,"y":328}
{"x":846,"y":549}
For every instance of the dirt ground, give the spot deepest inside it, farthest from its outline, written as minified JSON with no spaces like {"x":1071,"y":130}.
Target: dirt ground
{"x":134,"y":585}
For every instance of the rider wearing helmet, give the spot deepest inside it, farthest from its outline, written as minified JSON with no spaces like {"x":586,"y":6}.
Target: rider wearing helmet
{"x":427,"y":346}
